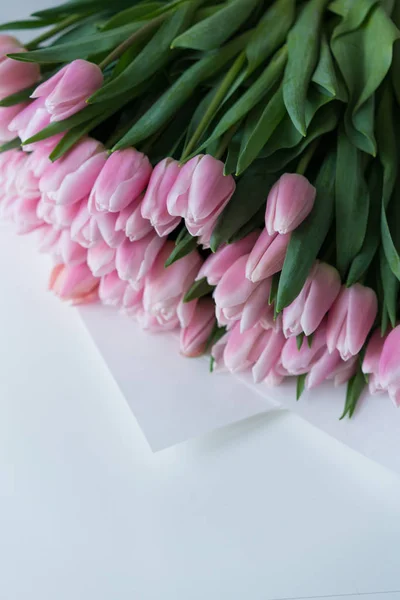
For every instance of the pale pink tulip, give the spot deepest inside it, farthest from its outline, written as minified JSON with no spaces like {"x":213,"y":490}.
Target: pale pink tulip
{"x":389,"y":365}
{"x":132,"y":301}
{"x":216,"y":265}
{"x":330,"y":366}
{"x":134,"y":260}
{"x":269,"y":346}
{"x":66,"y":92}
{"x":48,"y":239}
{"x":7,"y":114}
{"x":298,"y":362}
{"x":154,"y":205}
{"x":70,"y":179}
{"x":26,"y":182}
{"x":74,"y":284}
{"x":123,"y":178}
{"x":101,"y":259}
{"x":289,"y":202}
{"x":64,"y":215}
{"x":69,"y":251}
{"x":24,"y":215}
{"x":28,"y":122}
{"x":194,"y":336}
{"x":112,"y":290}
{"x":217,"y":352}
{"x":370,"y":365}
{"x":15,"y":75}
{"x":200,"y":193}
{"x":267,"y":256}
{"x":106,"y":224}
{"x":130,"y":221}
{"x":234,"y":289}
{"x":257,"y":309}
{"x":84,"y":228}
{"x":350,"y":320}
{"x":241,"y":350}
{"x":319,"y":292}
{"x":165,"y":287}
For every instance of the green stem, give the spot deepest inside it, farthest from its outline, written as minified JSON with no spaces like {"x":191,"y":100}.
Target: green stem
{"x":53,"y":31}
{"x":306,"y":158}
{"x":226,"y":138}
{"x":137,"y":35}
{"x":215,"y":103}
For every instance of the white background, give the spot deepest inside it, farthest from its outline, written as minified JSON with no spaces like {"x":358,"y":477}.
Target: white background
{"x":266,"y":509}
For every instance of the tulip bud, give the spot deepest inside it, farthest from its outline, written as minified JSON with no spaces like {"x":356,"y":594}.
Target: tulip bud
{"x":370,"y":365}
{"x":7,"y":114}
{"x":216,"y":265}
{"x":241,"y":348}
{"x":75,"y":284}
{"x":130,"y":221}
{"x":194,"y":336}
{"x":298,"y":362}
{"x":154,"y":205}
{"x":29,"y":121}
{"x":165,"y":287}
{"x":101,"y":259}
{"x":70,"y":179}
{"x":123,"y":178}
{"x":267,"y":256}
{"x":48,"y":238}
{"x":132,"y":302}
{"x":351,"y":319}
{"x":15,"y":75}
{"x":84,"y":228}
{"x":289,"y":202}
{"x":256,"y":309}
{"x":319,"y":292}
{"x":389,"y":365}
{"x":112,"y":289}
{"x":134,"y":260}
{"x":65,"y":93}
{"x":271,"y":344}
{"x":234,"y":289}
{"x":200,"y":193}
{"x":69,"y":251}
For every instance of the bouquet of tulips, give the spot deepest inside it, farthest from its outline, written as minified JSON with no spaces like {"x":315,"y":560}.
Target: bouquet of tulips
{"x":226,"y":168}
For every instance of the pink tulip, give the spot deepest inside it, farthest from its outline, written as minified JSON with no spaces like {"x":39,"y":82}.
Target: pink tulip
{"x":132,"y":301}
{"x":106,"y":224}
{"x":350,"y":320}
{"x":26,"y":182}
{"x":7,"y":114}
{"x":65,"y":93}
{"x":234,"y":289}
{"x":39,"y":158}
{"x":15,"y":75}
{"x":289,"y":202}
{"x":70,"y":252}
{"x":267,"y":256}
{"x":74,"y":284}
{"x":101,"y":259}
{"x":84,"y":228}
{"x":154,"y":205}
{"x":200,"y":193}
{"x":217,"y":352}
{"x":389,"y":365}
{"x":48,"y":239}
{"x":330,"y":366}
{"x":164,"y":287}
{"x":25,"y":216}
{"x":64,"y":215}
{"x":370,"y":365}
{"x":112,"y":290}
{"x":194,"y":336}
{"x":10,"y":165}
{"x":45,"y":211}
{"x":241,"y":350}
{"x":216,"y":265}
{"x":29,"y":121}
{"x":70,"y":179}
{"x":130,"y":221}
{"x":123,"y":178}
{"x":134,"y":260}
{"x":298,"y":362}
{"x":319,"y":292}
{"x":269,"y":346}
{"x":257,"y":310}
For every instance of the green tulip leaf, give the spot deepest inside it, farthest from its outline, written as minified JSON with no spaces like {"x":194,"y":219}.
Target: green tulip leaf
{"x":303,"y":49}
{"x":213,"y":31}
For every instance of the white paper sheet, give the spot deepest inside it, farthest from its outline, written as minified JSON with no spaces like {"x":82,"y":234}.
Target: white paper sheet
{"x":183,"y":400}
